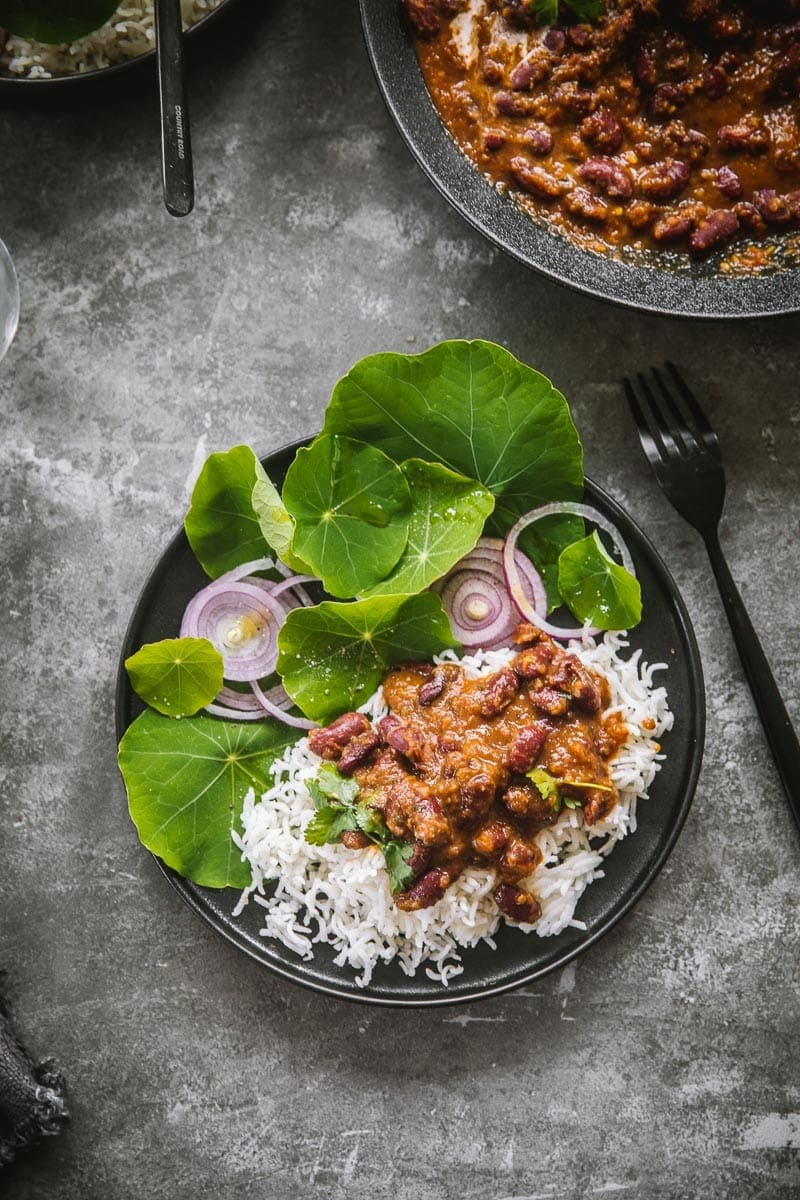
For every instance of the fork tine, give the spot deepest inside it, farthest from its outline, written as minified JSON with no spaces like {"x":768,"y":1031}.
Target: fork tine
{"x":683,"y":430}
{"x":655,"y":419}
{"x":702,"y":423}
{"x":651,"y":448}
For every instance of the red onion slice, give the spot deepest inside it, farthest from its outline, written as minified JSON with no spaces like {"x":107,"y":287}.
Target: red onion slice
{"x":476,"y":599}
{"x":236,"y":574}
{"x":234,"y":714}
{"x":274,"y":711}
{"x":513,"y":574}
{"x":242,"y":621}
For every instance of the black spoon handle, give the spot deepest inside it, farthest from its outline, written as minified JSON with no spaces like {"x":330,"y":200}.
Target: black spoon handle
{"x":176,"y":147}
{"x":777,"y":726}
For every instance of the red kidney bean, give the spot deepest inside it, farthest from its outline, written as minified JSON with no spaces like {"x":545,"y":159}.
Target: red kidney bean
{"x":538,"y":139}
{"x":583,"y":203}
{"x":426,"y":891}
{"x":527,"y":746}
{"x":491,"y":840}
{"x":432,"y":688}
{"x":420,"y":859}
{"x":610,"y":176}
{"x":549,"y":701}
{"x":663,"y":180}
{"x":715,"y":82}
{"x":602,"y":130}
{"x":356,"y":750}
{"x":498,"y":691}
{"x":716,"y":228}
{"x":493,"y":141}
{"x":354,"y":839}
{"x":534,"y":180}
{"x":402,"y":737}
{"x":728,"y":182}
{"x":555,"y":40}
{"x":516,"y":904}
{"x":512,"y":104}
{"x":773,"y":208}
{"x":645,"y":67}
{"x":519,"y":858}
{"x":331,"y":740}
{"x":522,"y":76}
{"x":671,"y":227}
{"x":747,"y":136}
{"x":666,"y":100}
{"x":533,"y":662}
{"x":491,"y":70}
{"x":424,"y":814}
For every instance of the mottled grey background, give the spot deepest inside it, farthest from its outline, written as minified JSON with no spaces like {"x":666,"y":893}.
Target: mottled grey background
{"x":664,"y":1062}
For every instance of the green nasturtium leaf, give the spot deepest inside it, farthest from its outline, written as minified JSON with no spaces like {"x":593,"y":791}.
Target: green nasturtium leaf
{"x":55,"y":21}
{"x":186,"y":781}
{"x":276,"y":524}
{"x":597,"y":589}
{"x":476,"y":408}
{"x":446,"y":521}
{"x":177,"y":676}
{"x":333,"y":656}
{"x":221,"y":525}
{"x":351,"y":507}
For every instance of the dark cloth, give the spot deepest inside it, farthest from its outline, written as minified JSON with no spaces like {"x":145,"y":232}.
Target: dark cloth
{"x":31,"y":1095}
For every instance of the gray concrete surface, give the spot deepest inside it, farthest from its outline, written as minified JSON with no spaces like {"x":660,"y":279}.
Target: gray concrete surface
{"x":664,"y":1062}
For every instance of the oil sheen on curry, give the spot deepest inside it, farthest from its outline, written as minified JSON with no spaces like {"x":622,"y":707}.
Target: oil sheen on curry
{"x":471,"y":770}
{"x":661,"y":123}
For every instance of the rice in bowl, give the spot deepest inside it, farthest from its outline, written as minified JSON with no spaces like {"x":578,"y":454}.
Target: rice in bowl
{"x":330,"y":894}
{"x":129,"y":34}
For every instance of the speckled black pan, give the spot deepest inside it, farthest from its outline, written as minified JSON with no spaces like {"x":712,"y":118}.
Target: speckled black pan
{"x":672,"y":287}
{"x":665,"y":635}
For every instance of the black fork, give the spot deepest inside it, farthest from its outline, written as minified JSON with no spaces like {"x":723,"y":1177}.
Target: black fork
{"x":684,"y":453}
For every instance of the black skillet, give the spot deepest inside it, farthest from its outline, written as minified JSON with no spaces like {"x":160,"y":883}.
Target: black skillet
{"x":665,"y":635}
{"x":668,"y":286}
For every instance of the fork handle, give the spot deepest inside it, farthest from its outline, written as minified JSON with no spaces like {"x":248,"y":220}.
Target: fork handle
{"x":777,"y":726}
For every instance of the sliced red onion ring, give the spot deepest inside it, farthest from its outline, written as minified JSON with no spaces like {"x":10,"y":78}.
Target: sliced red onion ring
{"x":238,"y":573}
{"x":243,"y":701}
{"x":513,"y":575}
{"x":476,"y":599}
{"x":274,"y":711}
{"x":234,"y":714}
{"x":242,"y":621}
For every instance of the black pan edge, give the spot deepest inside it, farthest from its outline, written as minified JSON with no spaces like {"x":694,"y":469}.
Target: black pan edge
{"x":702,"y":293}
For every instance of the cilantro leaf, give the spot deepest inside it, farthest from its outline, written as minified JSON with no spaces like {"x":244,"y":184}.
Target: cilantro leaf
{"x":397,"y":856}
{"x":569,"y":802}
{"x":329,"y":823}
{"x":334,"y":786}
{"x":546,"y":11}
{"x":547,"y":785}
{"x":371,"y":822}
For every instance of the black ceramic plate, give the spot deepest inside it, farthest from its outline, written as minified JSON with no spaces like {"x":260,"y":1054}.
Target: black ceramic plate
{"x":677,"y":287}
{"x":66,"y":89}
{"x":665,"y":635}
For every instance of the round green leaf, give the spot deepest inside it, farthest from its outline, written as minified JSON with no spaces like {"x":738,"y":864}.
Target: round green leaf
{"x":333,"y":656}
{"x":597,"y":589}
{"x":448,"y":515}
{"x":178,"y":676}
{"x":186,"y":782}
{"x":351,"y":507}
{"x":55,"y":21}
{"x":477,"y":409}
{"x":221,"y":524}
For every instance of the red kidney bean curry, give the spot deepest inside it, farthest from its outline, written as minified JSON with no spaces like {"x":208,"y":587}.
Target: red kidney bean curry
{"x":448,"y":767}
{"x":662,"y":123}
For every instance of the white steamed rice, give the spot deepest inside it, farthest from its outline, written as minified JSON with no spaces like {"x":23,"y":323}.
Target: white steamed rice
{"x":342,"y":897}
{"x":129,"y":33}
